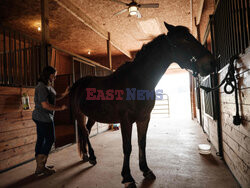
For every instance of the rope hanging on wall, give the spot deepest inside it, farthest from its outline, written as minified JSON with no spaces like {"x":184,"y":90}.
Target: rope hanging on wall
{"x":230,"y":87}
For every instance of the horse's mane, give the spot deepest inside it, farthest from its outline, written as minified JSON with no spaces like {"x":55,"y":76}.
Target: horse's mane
{"x":180,"y":28}
{"x":124,"y":66}
{"x":144,"y":50}
{"x":147,"y":48}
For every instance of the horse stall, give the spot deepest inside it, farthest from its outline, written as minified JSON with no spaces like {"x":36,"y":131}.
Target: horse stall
{"x":93,"y":44}
{"x":69,"y":69}
{"x":20,"y":65}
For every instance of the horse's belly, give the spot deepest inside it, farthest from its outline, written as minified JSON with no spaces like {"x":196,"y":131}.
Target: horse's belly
{"x":101,"y":112}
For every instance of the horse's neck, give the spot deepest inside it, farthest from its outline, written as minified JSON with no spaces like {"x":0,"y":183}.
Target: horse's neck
{"x":151,"y":68}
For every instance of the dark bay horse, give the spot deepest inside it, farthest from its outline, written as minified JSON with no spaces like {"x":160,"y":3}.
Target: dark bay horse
{"x":143,"y":74}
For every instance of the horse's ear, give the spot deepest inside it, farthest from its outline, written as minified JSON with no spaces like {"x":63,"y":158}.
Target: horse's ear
{"x":168,"y":26}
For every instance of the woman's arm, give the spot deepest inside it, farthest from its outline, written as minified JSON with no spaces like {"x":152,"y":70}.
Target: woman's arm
{"x":64,"y":94}
{"x":51,"y":107}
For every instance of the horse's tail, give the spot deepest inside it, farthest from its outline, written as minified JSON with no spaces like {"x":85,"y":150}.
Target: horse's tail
{"x":76,"y":95}
{"x":82,"y":133}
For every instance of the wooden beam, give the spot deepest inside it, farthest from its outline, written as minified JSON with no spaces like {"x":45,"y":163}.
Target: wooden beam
{"x":199,"y":13}
{"x":80,"y":15}
{"x":45,"y":32}
{"x":109,"y":51}
{"x":80,"y":58}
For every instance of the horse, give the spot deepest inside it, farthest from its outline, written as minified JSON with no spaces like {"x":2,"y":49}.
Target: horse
{"x":150,"y":63}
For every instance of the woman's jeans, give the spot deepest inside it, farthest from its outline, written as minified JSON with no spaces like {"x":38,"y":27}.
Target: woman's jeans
{"x":45,"y":137}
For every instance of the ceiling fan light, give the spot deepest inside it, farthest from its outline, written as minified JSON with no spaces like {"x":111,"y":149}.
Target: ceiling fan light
{"x":132,"y":10}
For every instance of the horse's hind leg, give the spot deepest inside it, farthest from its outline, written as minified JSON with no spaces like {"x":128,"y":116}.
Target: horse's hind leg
{"x":92,"y":157}
{"x":142,"y":127}
{"x":126,"y":129}
{"x":82,"y":136}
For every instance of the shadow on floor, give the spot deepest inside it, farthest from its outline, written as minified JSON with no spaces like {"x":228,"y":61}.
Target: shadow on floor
{"x":34,"y":178}
{"x":146,"y":183}
{"x":27,"y":180}
{"x":72,"y":177}
{"x":209,"y":159}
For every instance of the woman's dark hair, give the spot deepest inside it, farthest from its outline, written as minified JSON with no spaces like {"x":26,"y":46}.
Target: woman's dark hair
{"x":47,"y":71}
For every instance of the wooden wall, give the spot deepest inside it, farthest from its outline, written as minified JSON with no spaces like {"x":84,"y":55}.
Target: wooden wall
{"x":17,"y":129}
{"x":236,"y":139}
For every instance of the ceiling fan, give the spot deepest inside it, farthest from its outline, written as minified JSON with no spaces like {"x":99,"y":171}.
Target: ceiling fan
{"x":133,"y":7}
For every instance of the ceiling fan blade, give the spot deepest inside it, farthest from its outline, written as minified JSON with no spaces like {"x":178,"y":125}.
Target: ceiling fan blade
{"x":119,"y":2}
{"x":152,"y":5}
{"x":138,"y":14}
{"x":122,"y":11}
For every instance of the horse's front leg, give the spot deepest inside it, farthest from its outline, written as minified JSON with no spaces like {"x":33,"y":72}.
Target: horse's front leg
{"x":142,"y":127}
{"x":92,"y":157}
{"x":126,"y":129}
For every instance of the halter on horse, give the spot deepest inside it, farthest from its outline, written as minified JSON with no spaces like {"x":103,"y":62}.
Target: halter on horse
{"x":142,"y":74}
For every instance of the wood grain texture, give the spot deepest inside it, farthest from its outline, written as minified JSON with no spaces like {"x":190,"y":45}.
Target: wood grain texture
{"x":244,"y":128}
{"x":239,"y":151}
{"x":233,"y":162}
{"x":244,"y":110}
{"x":241,"y":139}
{"x":17,"y":151}
{"x":4,"y":164}
{"x":4,"y":146}
{"x":10,"y":135}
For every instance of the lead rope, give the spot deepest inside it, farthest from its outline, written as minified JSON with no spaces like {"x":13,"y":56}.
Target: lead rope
{"x":230,"y":82}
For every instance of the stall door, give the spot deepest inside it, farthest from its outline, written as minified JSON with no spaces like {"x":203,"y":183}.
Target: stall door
{"x":64,"y":126}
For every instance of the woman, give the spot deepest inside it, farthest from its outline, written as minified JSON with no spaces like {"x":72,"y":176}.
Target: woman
{"x":43,"y":116}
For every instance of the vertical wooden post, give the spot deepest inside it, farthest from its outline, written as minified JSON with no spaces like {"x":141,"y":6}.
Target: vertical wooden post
{"x":74,"y":79}
{"x":45,"y":32}
{"x":109,"y":51}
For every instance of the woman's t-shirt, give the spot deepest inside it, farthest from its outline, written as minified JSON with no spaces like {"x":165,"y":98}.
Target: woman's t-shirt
{"x":43,"y":93}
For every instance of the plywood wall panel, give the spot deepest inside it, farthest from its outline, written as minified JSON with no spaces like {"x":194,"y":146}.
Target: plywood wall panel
{"x":241,"y":177}
{"x":4,"y":164}
{"x":17,"y":142}
{"x":10,"y":135}
{"x":17,"y":151}
{"x":240,"y":151}
{"x":241,"y":139}
{"x":17,"y":129}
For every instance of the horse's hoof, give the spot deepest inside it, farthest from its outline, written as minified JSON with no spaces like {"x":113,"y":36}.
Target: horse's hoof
{"x":93,"y":162}
{"x":130,"y":185}
{"x":85,"y":158}
{"x":149,"y":175}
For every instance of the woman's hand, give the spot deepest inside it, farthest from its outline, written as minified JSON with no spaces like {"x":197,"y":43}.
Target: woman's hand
{"x":50,"y":107}
{"x":63,"y":107}
{"x":66,"y":92}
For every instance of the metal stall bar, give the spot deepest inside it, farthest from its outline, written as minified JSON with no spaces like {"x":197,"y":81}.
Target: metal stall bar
{"x":30,"y":62}
{"x":4,"y":59}
{"x":247,"y":20}
{"x":15,"y":61}
{"x":20,"y":61}
{"x":9,"y":60}
{"x":24,"y":61}
{"x":34,"y":62}
{"x":1,"y":62}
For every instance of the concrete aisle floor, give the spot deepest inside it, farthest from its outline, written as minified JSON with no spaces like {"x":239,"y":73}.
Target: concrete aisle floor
{"x":171,"y":152}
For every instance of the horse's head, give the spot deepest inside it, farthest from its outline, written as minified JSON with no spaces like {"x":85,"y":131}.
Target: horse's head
{"x":188,"y":52}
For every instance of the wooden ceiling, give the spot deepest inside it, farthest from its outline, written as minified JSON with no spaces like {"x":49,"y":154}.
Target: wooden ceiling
{"x":81,"y":33}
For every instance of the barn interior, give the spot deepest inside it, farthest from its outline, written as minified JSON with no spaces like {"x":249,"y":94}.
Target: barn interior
{"x":93,"y":38}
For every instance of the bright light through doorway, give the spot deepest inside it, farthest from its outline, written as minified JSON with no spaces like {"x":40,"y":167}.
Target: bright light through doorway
{"x":177,"y":86}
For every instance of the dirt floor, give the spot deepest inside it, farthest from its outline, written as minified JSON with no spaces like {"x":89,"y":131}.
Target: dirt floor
{"x":172,"y":154}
